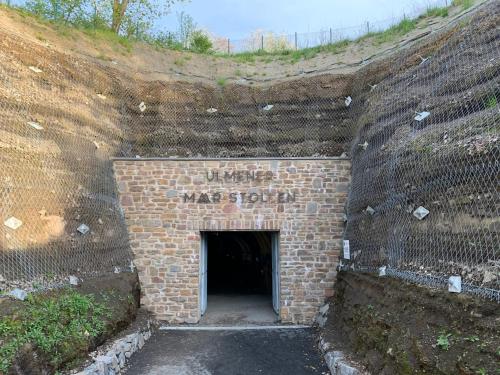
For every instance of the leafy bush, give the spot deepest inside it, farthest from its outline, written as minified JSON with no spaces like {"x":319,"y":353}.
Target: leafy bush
{"x":57,"y":326}
{"x":200,"y":42}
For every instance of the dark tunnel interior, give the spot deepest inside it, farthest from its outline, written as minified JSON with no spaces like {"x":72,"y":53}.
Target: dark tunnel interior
{"x":239,"y":263}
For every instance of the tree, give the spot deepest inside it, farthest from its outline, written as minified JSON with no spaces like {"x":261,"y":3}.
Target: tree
{"x":65,"y":11}
{"x":137,"y":12}
{"x":187,"y":27}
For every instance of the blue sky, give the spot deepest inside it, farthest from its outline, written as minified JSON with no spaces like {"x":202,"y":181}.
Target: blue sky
{"x":238,"y":18}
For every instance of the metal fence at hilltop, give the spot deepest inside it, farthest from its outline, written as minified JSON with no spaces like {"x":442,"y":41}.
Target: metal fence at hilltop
{"x":421,"y":127}
{"x":275,"y":42}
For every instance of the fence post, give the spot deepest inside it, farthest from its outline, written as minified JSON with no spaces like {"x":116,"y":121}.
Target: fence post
{"x":262,"y":42}
{"x":367,"y":27}
{"x":228,"y":46}
{"x":296,"y":45}
{"x":331,"y":36}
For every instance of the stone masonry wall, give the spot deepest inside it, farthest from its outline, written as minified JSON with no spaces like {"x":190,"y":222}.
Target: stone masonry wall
{"x":167,"y":203}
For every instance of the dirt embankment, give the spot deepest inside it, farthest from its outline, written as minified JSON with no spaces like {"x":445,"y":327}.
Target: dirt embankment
{"x":393,"y":327}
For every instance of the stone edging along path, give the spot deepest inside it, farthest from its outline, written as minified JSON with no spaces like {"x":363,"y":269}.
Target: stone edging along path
{"x":337,"y":363}
{"x":111,"y":359}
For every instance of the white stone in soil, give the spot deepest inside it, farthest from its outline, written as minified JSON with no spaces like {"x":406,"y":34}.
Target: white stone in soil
{"x":421,"y":116}
{"x":35,"y":125}
{"x":348,"y":101}
{"x":83,"y":229}
{"x":73,"y":280}
{"x":455,"y":284}
{"x":364,"y":146}
{"x":35,"y":69}
{"x":382,"y":270}
{"x":13,"y":223}
{"x":19,"y":294}
{"x":421,"y":212}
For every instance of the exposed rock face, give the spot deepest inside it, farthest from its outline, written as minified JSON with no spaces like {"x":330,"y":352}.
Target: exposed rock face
{"x":446,"y":163}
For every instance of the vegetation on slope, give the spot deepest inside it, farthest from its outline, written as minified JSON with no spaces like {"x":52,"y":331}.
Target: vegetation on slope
{"x":189,"y":37}
{"x":57,"y":326}
{"x":55,"y":330}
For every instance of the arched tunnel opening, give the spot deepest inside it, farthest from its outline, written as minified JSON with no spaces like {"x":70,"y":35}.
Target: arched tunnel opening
{"x":239,"y":277}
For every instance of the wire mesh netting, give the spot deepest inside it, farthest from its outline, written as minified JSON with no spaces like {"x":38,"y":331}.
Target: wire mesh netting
{"x":421,"y":126}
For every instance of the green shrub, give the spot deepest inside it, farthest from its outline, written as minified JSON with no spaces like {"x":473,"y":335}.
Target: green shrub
{"x":200,"y":42}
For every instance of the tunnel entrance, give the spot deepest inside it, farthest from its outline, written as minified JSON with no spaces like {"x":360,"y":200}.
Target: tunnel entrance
{"x":239,"y":277}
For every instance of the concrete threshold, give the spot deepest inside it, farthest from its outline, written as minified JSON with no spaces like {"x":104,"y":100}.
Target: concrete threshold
{"x":230,"y":328}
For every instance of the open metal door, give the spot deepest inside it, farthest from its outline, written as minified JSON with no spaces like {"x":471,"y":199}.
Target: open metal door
{"x":276,"y":271}
{"x":203,"y":273}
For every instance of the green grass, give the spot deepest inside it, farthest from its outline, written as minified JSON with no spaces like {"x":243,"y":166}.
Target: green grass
{"x":491,"y":102}
{"x":221,"y":81}
{"x":394,"y":32}
{"x":290,"y":56}
{"x":465,"y":4}
{"x":58,"y":326}
{"x":179,"y":62}
{"x":110,"y":37}
{"x":436,"y":12}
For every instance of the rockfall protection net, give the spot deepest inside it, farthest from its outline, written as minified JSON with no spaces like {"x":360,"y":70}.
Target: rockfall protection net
{"x":421,"y":127}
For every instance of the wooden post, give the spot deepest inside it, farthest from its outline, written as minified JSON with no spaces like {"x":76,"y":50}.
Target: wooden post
{"x":367,"y":27}
{"x":331,"y":36}
{"x":296,"y":44}
{"x":262,"y":42}
{"x":228,"y":46}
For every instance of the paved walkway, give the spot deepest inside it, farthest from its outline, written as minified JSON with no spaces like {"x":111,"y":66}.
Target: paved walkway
{"x":268,"y":352}
{"x":235,"y":309}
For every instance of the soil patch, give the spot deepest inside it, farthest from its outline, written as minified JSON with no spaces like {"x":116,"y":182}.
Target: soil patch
{"x":393,"y":327}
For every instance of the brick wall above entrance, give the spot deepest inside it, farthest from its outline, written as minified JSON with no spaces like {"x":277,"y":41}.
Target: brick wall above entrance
{"x":168,"y":202}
